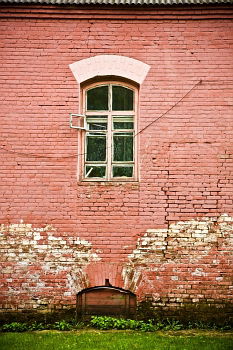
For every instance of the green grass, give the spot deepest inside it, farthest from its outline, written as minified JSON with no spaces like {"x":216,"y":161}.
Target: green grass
{"x":116,"y":340}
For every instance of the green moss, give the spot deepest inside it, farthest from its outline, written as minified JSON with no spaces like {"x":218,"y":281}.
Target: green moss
{"x":200,"y":315}
{"x":218,"y":315}
{"x":29,"y":316}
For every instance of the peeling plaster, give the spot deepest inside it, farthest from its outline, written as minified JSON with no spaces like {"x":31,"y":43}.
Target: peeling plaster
{"x":43,"y":267}
{"x":36,"y":257}
{"x":185,"y":244}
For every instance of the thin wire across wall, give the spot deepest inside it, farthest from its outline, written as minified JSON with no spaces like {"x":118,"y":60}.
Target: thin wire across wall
{"x":33,"y":155}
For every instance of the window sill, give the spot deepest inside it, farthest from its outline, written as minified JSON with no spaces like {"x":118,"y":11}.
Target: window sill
{"x":109,"y":182}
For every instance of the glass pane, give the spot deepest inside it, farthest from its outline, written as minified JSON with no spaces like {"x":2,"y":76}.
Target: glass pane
{"x":97,"y":99}
{"x":123,"y":147}
{"x":96,"y":148}
{"x":122,"y":125}
{"x":122,"y":99}
{"x":119,"y":171}
{"x":97,"y":126}
{"x":95,"y":171}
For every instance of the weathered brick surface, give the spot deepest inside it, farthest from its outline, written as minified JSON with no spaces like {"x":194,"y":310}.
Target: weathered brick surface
{"x":185,"y":159}
{"x":40,"y":267}
{"x":184,"y":263}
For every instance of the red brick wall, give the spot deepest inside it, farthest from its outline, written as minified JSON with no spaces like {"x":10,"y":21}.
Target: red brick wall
{"x":59,"y":235}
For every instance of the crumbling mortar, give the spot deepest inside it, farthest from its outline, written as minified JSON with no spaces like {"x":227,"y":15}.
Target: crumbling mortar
{"x":208,"y":232}
{"x":36,"y":258}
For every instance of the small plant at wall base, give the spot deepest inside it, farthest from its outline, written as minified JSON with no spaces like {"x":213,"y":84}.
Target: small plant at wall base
{"x":108,"y":323}
{"x":200,"y":315}
{"x":37,"y":326}
{"x":62,"y":326}
{"x":15,"y":327}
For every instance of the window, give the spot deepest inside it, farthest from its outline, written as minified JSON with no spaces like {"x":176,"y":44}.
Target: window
{"x":109,"y":140}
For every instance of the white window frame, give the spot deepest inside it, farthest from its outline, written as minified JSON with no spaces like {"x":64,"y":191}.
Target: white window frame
{"x":110,"y":131}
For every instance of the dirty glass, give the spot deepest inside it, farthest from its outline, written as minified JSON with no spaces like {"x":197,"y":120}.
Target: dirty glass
{"x":122,"y":125}
{"x":122,"y":99}
{"x":123,"y":122}
{"x":120,"y":171}
{"x":123,"y":147}
{"x":97,"y":122}
{"x":97,"y":126}
{"x":109,"y":138}
{"x":97,"y":99}
{"x":96,"y":147}
{"x":95,"y":171}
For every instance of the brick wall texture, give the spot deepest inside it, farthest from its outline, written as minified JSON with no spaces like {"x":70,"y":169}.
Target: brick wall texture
{"x":169,"y":235}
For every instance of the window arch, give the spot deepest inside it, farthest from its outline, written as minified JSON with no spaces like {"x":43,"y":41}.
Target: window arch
{"x":109,"y":142}
{"x":104,"y":65}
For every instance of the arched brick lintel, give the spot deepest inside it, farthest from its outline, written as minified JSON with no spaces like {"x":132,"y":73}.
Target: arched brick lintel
{"x":101,"y":65}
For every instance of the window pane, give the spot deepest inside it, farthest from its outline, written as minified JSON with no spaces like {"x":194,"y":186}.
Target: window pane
{"x":123,"y":147}
{"x":122,"y":125}
{"x":97,"y":99}
{"x":97,"y":122}
{"x":96,"y":148}
{"x":123,"y":122}
{"x":122,"y":99}
{"x":97,"y":126}
{"x":120,"y":171}
{"x":95,"y":171}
